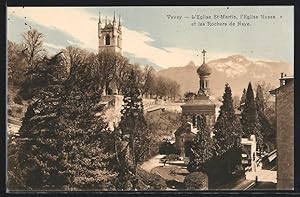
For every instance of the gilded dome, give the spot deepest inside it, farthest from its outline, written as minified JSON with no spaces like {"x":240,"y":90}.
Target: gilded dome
{"x":204,"y":69}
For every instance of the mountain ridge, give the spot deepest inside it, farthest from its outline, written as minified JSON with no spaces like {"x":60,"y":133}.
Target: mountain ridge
{"x":237,"y":70}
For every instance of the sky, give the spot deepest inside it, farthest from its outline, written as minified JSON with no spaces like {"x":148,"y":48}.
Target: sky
{"x":150,"y":37}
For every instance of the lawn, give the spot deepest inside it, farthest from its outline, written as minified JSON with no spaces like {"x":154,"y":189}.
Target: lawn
{"x":171,"y":172}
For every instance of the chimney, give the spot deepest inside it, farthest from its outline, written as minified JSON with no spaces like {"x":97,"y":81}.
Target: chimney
{"x":282,"y":81}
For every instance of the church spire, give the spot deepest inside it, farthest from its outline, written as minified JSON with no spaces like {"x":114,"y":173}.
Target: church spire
{"x":119,"y":20}
{"x":99,"y":18}
{"x":105,"y":20}
{"x":114,"y":20}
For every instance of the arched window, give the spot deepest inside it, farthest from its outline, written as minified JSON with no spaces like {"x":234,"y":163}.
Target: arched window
{"x":107,"y":39}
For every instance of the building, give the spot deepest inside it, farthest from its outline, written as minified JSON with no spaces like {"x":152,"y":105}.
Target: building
{"x":200,"y":103}
{"x":195,"y":106}
{"x":110,"y":35}
{"x":284,"y":109}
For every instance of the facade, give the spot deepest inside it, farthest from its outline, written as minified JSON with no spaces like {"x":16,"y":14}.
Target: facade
{"x":110,"y":35}
{"x":249,"y":157}
{"x":195,"y":106}
{"x":284,"y":106}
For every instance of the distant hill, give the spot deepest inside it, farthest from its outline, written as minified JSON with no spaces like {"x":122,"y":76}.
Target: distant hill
{"x":236,"y":70}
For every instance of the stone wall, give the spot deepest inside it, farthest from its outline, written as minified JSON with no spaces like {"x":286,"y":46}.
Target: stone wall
{"x":285,"y":137}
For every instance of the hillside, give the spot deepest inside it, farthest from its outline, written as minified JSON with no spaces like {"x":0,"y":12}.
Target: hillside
{"x":236,"y":70}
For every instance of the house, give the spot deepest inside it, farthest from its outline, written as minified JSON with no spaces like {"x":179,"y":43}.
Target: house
{"x":284,"y":109}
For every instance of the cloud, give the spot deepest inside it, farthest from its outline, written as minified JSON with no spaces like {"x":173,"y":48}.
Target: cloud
{"x":54,"y":46}
{"x":82,"y":27}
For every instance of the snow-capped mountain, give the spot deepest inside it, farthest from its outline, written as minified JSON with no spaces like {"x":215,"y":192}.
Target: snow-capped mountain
{"x":236,"y":70}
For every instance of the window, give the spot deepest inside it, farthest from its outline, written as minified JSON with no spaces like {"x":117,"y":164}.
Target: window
{"x":107,"y":39}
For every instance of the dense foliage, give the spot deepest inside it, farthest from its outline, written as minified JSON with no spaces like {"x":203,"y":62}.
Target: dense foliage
{"x":202,"y":147}
{"x":196,"y":181}
{"x":40,"y":160}
{"x":133,"y":129}
{"x":249,"y":120}
{"x":267,"y":131}
{"x":228,"y":130}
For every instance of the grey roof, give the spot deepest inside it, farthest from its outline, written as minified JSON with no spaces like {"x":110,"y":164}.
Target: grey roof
{"x":205,"y":101}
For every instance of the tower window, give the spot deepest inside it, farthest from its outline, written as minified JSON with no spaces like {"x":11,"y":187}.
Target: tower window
{"x":107,"y":39}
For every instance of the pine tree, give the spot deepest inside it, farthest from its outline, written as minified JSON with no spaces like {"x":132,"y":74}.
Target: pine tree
{"x":249,"y":121}
{"x":84,"y":132}
{"x":39,"y":156}
{"x":259,"y":99}
{"x":202,"y":148}
{"x":266,"y":129}
{"x":243,"y":98}
{"x":133,"y":125}
{"x":228,"y":129}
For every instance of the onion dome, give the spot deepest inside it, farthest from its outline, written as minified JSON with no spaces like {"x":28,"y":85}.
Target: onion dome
{"x":204,"y":69}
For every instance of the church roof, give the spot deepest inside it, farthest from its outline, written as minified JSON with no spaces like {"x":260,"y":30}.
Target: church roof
{"x":199,"y":101}
{"x":204,"y":69}
{"x":185,"y":128}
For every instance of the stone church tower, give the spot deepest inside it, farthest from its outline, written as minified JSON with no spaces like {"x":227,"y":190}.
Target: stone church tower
{"x":110,"y":35}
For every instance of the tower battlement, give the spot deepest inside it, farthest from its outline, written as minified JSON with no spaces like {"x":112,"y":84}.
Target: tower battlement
{"x":110,"y":35}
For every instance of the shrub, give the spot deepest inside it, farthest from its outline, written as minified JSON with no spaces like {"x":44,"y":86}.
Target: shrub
{"x":9,"y":112}
{"x":167,"y":148}
{"x":19,"y":110}
{"x":172,"y":157}
{"x":196,"y":181}
{"x":18,"y":100}
{"x":153,"y":181}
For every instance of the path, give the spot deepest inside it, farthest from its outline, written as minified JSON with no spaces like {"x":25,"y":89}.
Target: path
{"x":263,"y":175}
{"x":152,"y":163}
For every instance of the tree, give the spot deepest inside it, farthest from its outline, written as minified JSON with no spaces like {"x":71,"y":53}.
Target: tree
{"x":122,"y":72}
{"x":39,"y":155}
{"x":202,"y":148}
{"x":249,"y":120}
{"x":259,"y":99}
{"x":15,"y":64}
{"x":36,"y":77}
{"x":228,"y":130}
{"x":133,"y":125}
{"x":196,"y":181}
{"x":33,"y":46}
{"x":243,"y":98}
{"x":268,"y":102}
{"x":147,"y":79}
{"x":75,"y":56}
{"x":267,"y":131}
{"x":107,"y":63}
{"x":84,"y":131}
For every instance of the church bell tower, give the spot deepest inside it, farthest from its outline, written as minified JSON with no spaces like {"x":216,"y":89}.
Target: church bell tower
{"x":110,"y":35}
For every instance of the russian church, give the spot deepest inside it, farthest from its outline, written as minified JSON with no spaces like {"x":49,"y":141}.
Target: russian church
{"x":199,"y":104}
